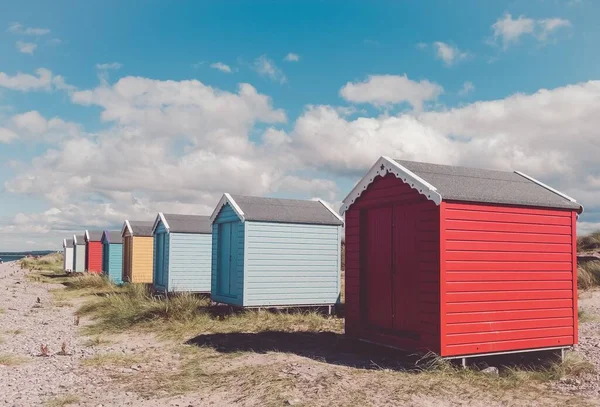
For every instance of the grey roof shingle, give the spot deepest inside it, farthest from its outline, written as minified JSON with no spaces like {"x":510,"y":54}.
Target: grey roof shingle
{"x":141,"y":228}
{"x":188,"y":223}
{"x":95,"y":235}
{"x":80,"y":239}
{"x":69,"y":242}
{"x":285,"y":210}
{"x":114,"y":236}
{"x":487,"y":186}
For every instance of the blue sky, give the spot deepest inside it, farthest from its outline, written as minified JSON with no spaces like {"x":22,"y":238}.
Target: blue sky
{"x":161,"y":105}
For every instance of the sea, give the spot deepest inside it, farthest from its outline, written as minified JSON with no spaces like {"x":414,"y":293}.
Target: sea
{"x":13,"y":256}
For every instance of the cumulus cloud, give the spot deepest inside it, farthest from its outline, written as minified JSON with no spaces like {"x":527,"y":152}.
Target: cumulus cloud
{"x":44,"y":80}
{"x":382,"y":90}
{"x":466,"y":89}
{"x":7,"y":135}
{"x":291,"y":57}
{"x":508,"y":30}
{"x":18,"y":28}
{"x":266,"y":67}
{"x":26,"y":47}
{"x":109,"y":65}
{"x":221,"y":67}
{"x":449,"y":54}
{"x":171,"y":146}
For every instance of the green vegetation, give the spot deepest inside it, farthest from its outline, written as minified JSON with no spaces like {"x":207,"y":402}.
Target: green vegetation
{"x":112,"y":359}
{"x":63,"y":401}
{"x":588,"y":274}
{"x":51,"y":262}
{"x":10,"y":360}
{"x":589,"y":242}
{"x":182,"y":315}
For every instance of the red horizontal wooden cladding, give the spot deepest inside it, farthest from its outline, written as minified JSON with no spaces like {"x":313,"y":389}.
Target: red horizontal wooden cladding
{"x":94,"y":257}
{"x":458,"y":278}
{"x":509,"y":278}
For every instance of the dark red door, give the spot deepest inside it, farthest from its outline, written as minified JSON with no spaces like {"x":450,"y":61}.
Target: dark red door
{"x":405,"y":267}
{"x":378,"y":267}
{"x":390,"y":268}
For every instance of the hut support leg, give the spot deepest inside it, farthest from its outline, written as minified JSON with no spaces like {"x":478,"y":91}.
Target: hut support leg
{"x":463,"y":362}
{"x":562,"y":355}
{"x":329,"y":310}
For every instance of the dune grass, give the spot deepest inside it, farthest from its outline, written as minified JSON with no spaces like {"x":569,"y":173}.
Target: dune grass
{"x":588,"y":274}
{"x":589,"y":242}
{"x":51,"y":262}
{"x":133,"y":306}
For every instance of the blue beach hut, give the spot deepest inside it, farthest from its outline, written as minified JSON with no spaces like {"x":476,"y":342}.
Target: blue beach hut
{"x":275,"y":252}
{"x":182,"y":253}
{"x":112,"y":255}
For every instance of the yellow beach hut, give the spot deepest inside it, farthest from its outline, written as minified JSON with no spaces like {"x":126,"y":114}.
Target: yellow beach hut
{"x":138,"y":248}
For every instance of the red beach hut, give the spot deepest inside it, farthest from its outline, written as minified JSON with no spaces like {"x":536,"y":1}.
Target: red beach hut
{"x":460,"y":261}
{"x":93,"y":251}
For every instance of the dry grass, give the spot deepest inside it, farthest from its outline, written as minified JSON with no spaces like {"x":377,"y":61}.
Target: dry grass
{"x":588,"y":242}
{"x":10,"y":360}
{"x":111,"y":359}
{"x":51,"y":262}
{"x":97,"y":341}
{"x":183,"y":315}
{"x":584,"y":317}
{"x":63,"y":401}
{"x":588,"y":274}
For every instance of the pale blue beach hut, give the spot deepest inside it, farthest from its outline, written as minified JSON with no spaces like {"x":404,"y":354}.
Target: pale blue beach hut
{"x":270,"y":252}
{"x":182,"y":253}
{"x":79,"y":253}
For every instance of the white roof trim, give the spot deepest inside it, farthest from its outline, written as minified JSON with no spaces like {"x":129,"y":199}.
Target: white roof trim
{"x":87,"y":235}
{"x":160,"y":218}
{"x":331,"y":210}
{"x":386,"y":165}
{"x":126,"y":225}
{"x":227,"y":199}
{"x":65,"y":243}
{"x":549,"y":188}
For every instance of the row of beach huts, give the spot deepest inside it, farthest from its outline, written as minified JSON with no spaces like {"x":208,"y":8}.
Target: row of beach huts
{"x":454,"y":260}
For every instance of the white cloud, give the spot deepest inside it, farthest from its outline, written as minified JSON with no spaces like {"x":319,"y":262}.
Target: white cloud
{"x":7,"y":135}
{"x":450,"y":54}
{"x":291,"y":57}
{"x":55,"y":41}
{"x":221,"y":67}
{"x":266,"y":67}
{"x":18,"y":28}
{"x":548,"y":26}
{"x":109,"y":65}
{"x":382,"y":90}
{"x":44,"y":80}
{"x":26,"y":47}
{"x":466,"y":89}
{"x":508,"y":30}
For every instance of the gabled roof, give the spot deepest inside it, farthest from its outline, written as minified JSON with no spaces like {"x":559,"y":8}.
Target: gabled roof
{"x":254,"y":208}
{"x":93,"y":235}
{"x":175,"y":223}
{"x":67,"y":242}
{"x":137,"y":227}
{"x":112,"y":237}
{"x":79,"y":240}
{"x":449,"y":183}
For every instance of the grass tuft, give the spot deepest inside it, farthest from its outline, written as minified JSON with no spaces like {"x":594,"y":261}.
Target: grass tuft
{"x":51,"y":262}
{"x":112,"y":359}
{"x":184,"y":314}
{"x":62,"y":401}
{"x":588,"y":274}
{"x":589,"y":242}
{"x":10,"y":360}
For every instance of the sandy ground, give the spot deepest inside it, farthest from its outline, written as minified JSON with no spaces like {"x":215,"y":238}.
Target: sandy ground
{"x":314,"y":370}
